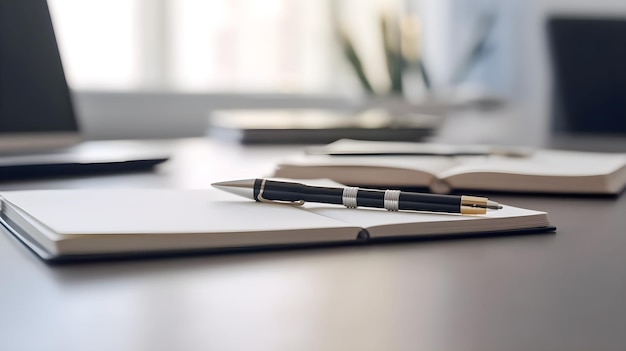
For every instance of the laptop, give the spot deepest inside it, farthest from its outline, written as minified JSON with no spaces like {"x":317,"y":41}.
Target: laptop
{"x":39,"y":130}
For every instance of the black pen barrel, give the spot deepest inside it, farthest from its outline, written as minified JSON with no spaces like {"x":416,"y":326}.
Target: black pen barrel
{"x":430,"y":198}
{"x":430,"y":207}
{"x":411,"y":201}
{"x":286,"y":191}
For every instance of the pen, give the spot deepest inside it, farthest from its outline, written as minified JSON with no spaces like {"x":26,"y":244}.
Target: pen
{"x":264,"y":190}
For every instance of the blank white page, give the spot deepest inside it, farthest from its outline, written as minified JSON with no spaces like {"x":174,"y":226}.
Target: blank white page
{"x":542,"y":162}
{"x":380,"y":222}
{"x":154,"y":211}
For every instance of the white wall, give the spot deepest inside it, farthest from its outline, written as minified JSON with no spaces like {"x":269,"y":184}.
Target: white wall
{"x":600,"y":7}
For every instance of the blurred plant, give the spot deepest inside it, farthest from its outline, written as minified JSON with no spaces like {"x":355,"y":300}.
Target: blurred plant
{"x":355,"y":62}
{"x":478,"y":49}
{"x":402,"y":44}
{"x":411,"y":46}
{"x":392,"y":44}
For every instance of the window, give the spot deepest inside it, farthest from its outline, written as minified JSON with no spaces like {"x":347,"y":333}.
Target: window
{"x":99,"y":42}
{"x":197,"y":45}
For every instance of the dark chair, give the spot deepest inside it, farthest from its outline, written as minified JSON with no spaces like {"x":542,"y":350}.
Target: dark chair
{"x":589,"y":63}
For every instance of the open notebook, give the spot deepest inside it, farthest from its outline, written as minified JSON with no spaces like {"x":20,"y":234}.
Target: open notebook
{"x":443,"y":169}
{"x":66,"y":224}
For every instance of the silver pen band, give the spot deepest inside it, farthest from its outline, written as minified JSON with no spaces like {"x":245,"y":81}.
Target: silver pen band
{"x":392,"y":200}
{"x":348,"y":197}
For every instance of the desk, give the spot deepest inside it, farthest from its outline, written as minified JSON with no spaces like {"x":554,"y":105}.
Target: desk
{"x":537,"y":292}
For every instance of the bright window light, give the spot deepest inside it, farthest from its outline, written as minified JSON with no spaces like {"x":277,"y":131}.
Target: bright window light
{"x":197,"y":45}
{"x":98,"y":40}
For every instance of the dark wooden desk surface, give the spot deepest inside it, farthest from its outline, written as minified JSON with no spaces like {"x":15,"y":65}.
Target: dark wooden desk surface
{"x":538,"y":292}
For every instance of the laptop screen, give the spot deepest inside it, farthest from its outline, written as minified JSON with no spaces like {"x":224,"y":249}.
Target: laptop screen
{"x":34,"y":96}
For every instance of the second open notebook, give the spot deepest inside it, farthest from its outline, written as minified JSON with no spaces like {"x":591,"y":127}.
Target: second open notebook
{"x":66,"y":224}
{"x":446,"y":168}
